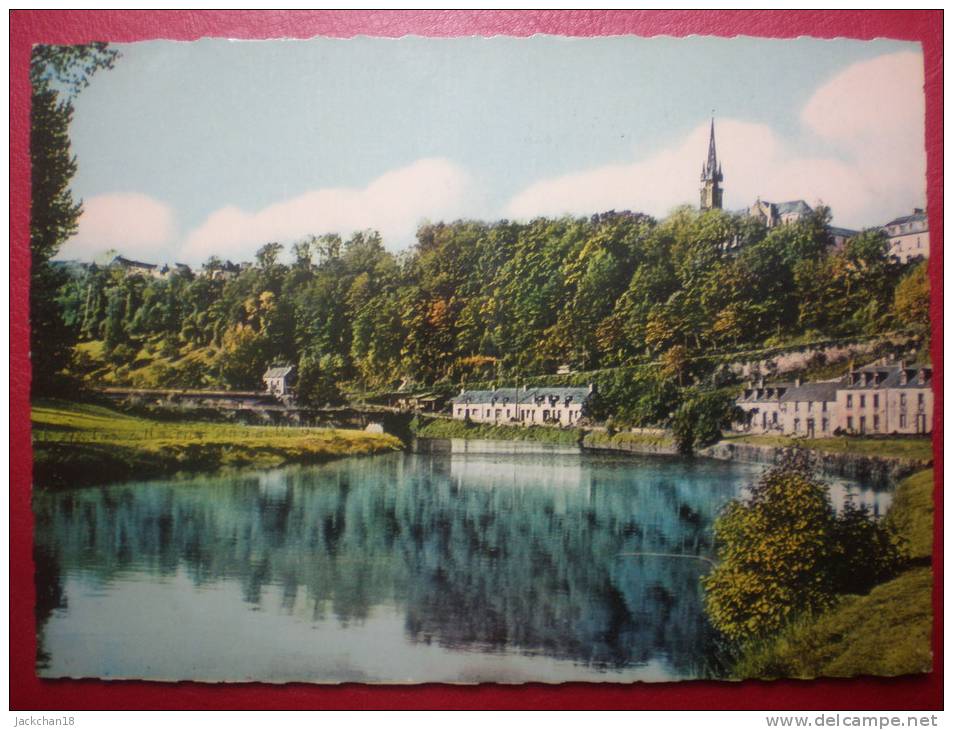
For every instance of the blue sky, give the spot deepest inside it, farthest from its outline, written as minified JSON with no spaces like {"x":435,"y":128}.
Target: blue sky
{"x":215,"y":147}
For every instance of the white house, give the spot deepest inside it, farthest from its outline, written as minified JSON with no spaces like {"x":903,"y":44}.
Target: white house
{"x":809,"y":409}
{"x":761,"y":403}
{"x":887,"y":398}
{"x":278,"y":380}
{"x":539,"y":406}
{"x":909,"y":236}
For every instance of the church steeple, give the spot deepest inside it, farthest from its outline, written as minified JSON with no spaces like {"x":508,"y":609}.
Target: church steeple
{"x":712,"y":176}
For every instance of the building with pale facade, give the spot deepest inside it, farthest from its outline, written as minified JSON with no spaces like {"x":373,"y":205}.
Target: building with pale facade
{"x":528,"y":406}
{"x":761,"y":402}
{"x":887,"y":398}
{"x":809,"y":409}
{"x":909,"y":236}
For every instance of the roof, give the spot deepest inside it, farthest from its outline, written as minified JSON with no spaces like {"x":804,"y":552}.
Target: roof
{"x":914,"y":218}
{"x":892,"y":376}
{"x":759,"y":393}
{"x":793,"y":206}
{"x":279,"y":372}
{"x":845,"y":232}
{"x":123,"y":261}
{"x":826,"y":390}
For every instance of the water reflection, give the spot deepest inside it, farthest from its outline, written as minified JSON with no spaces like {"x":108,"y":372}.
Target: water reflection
{"x":454,"y":565}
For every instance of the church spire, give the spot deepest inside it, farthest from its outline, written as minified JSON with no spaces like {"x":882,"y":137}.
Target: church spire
{"x":712,"y":157}
{"x":711,"y":177}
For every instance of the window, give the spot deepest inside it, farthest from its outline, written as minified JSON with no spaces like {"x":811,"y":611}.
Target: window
{"x":919,"y":401}
{"x":823,"y":406}
{"x":810,"y":406}
{"x":774,"y":418}
{"x":903,"y":401}
{"x":903,"y":420}
{"x":876,"y":400}
{"x":876,"y":423}
{"x":797,"y":405}
{"x":863,"y":401}
{"x":797,"y":425}
{"x":850,"y":400}
{"x":850,"y":423}
{"x":824,"y":424}
{"x":863,"y":424}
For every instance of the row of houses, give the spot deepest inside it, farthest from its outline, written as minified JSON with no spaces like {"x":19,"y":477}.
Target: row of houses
{"x":882,"y":398}
{"x":527,"y":406}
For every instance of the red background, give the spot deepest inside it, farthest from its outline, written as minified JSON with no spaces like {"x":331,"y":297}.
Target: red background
{"x":29,"y":27}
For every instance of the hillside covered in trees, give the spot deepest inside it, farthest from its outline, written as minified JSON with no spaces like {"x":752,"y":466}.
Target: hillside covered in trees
{"x":479,"y":301}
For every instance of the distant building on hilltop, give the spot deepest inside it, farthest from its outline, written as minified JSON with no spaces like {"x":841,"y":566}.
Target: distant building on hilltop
{"x":775,"y":214}
{"x":909,"y":236}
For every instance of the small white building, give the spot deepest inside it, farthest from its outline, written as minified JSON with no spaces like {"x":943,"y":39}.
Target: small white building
{"x":278,"y":380}
{"x":909,"y":236}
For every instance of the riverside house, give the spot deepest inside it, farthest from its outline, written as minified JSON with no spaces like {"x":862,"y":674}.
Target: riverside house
{"x":881,"y":398}
{"x":808,"y":409}
{"x":887,"y":398}
{"x":761,"y":403}
{"x":539,"y":406}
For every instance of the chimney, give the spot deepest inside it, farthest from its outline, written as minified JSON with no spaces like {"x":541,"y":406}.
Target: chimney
{"x":524,"y":387}
{"x":797,"y":382}
{"x":922,"y":376}
{"x":903,"y":376}
{"x":901,"y":364}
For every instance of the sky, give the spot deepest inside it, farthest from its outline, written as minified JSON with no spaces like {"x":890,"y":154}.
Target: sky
{"x":215,"y":147}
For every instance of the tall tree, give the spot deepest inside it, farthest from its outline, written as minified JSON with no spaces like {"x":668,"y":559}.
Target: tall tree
{"x":57,"y":74}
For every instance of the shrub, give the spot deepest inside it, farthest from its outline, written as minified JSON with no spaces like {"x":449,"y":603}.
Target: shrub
{"x":783,"y":551}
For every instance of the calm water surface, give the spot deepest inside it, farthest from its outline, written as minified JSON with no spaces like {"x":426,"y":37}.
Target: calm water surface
{"x":464,"y":562}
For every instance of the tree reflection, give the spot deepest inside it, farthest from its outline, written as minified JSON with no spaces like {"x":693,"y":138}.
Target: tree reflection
{"x":481,"y":555}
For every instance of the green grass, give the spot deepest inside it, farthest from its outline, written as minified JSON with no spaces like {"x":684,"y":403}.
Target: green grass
{"x":83,"y":444}
{"x":916,"y":448}
{"x":625,"y":439}
{"x":445,"y":428}
{"x":911,"y":515}
{"x":885,"y":633}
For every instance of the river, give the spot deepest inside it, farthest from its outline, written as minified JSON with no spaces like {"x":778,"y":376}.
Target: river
{"x":460,"y":562}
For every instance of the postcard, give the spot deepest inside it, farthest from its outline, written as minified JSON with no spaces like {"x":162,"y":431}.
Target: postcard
{"x":481,"y":359}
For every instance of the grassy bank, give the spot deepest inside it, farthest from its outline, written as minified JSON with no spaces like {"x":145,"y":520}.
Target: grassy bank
{"x":625,"y":441}
{"x":918,"y":448}
{"x":84,"y":444}
{"x":445,"y":428}
{"x":911,"y":515}
{"x":887,"y":632}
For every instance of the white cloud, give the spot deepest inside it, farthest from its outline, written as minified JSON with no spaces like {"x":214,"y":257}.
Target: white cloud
{"x":872,"y":169}
{"x":136,"y":225}
{"x":393,"y":204}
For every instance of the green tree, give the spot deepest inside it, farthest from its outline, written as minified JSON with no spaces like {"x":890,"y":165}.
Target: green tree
{"x":57,"y":73}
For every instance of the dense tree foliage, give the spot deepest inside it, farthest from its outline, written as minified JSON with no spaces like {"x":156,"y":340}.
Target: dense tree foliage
{"x":57,"y":73}
{"x":475,"y":301}
{"x":783,"y":551}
